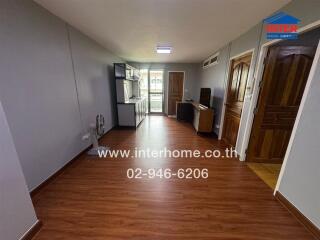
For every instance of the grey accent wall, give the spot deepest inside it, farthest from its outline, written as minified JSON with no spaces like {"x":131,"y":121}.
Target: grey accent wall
{"x":39,"y":91}
{"x":191,"y":89}
{"x":16,"y":210}
{"x":301,"y":176}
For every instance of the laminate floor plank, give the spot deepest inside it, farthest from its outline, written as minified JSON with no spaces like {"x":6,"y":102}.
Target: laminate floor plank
{"x":93,"y":198}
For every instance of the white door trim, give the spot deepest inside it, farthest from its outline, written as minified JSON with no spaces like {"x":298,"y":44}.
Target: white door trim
{"x":183,"y":85}
{"x":257,"y":76}
{"x":242,"y":54}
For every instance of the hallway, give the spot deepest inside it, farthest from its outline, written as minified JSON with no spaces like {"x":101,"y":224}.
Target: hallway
{"x":94,"y":199}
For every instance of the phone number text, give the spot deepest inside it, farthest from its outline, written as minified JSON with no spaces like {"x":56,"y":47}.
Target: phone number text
{"x":167,"y":173}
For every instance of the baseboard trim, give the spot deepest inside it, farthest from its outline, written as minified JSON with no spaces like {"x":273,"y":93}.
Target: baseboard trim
{"x":313,"y":229}
{"x":32,"y":231}
{"x":50,"y":179}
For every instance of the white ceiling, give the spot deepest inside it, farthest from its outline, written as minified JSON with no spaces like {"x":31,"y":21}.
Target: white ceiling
{"x":133,"y":28}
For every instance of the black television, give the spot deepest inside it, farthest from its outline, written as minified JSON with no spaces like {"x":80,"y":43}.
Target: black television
{"x":205,"y":96}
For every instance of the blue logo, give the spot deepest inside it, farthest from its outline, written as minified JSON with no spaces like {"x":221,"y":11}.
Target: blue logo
{"x":281,"y":26}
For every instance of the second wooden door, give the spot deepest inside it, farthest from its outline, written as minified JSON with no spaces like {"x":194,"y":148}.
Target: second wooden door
{"x":175,"y":91}
{"x":282,"y":86}
{"x":238,"y":78}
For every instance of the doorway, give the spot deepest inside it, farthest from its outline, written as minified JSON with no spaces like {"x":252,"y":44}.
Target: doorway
{"x":144,"y":86}
{"x":238,"y":78}
{"x":151,"y":88}
{"x":175,"y":93}
{"x":156,"y":93}
{"x":286,"y":69}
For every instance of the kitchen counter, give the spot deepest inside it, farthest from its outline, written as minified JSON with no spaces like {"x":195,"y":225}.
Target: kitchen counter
{"x":132,"y":112}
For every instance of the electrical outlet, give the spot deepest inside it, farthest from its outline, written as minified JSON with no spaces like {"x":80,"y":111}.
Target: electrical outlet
{"x":85,"y":137}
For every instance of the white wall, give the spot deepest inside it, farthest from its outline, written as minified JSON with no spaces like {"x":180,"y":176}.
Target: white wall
{"x":38,"y":89}
{"x":16,"y":211}
{"x":301,"y":171}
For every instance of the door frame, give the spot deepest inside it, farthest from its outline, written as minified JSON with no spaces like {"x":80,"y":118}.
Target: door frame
{"x":163,"y":92}
{"x":167,"y":90}
{"x":226,"y":83}
{"x":296,"y":123}
{"x":257,"y":77}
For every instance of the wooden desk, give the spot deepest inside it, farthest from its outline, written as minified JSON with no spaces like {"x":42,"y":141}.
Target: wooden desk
{"x":202,"y":118}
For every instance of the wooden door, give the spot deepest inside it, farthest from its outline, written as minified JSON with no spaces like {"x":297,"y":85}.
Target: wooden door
{"x":175,"y":91}
{"x":238,"y":77}
{"x":282,"y":86}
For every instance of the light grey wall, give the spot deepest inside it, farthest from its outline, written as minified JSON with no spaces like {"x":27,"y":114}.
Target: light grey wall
{"x":215,"y":78}
{"x":247,"y":41}
{"x":38,"y":89}
{"x":191,"y":77}
{"x":16,"y":210}
{"x":301,"y":178}
{"x":94,"y":76}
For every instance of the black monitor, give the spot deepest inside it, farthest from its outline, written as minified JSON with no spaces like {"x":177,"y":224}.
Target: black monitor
{"x":205,"y":96}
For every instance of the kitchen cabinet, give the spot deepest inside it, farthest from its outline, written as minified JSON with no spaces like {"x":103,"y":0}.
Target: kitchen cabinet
{"x":200,"y":115}
{"x":132,"y":113}
{"x":125,"y":71}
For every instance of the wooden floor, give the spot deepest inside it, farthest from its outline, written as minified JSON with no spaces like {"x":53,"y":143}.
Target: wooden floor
{"x":93,"y":199}
{"x":269,"y":173}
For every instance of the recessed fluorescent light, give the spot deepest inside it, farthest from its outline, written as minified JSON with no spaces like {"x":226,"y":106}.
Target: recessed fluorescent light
{"x":164,"y":49}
